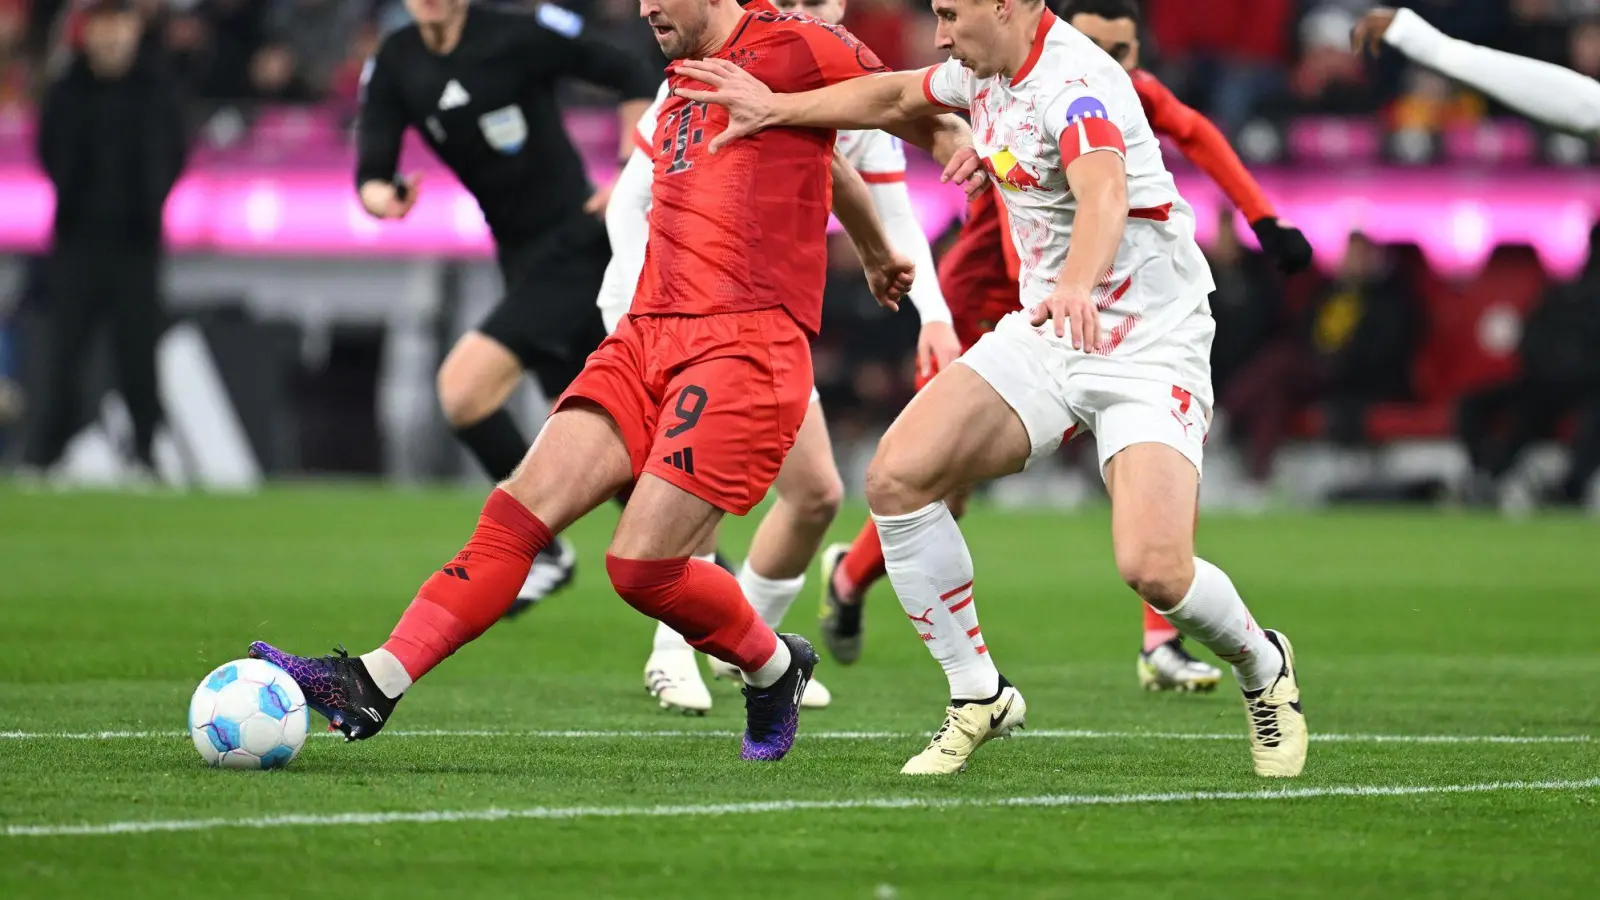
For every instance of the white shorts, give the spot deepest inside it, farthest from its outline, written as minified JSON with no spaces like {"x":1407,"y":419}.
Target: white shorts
{"x":1160,"y":393}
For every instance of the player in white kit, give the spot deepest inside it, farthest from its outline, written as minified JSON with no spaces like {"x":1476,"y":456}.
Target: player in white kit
{"x":1114,"y":338}
{"x":808,"y":488}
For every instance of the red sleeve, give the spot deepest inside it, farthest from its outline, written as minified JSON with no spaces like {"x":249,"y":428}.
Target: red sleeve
{"x":1203,"y":145}
{"x":840,"y":55}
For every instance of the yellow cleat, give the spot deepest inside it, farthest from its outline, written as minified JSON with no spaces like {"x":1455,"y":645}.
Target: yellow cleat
{"x":965,"y":729}
{"x":1169,"y":667}
{"x":1278,"y":736}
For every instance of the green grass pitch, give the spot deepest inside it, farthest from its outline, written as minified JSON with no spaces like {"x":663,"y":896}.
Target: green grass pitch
{"x":1448,"y":663}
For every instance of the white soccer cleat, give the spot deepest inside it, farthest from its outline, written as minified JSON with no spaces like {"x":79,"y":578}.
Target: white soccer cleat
{"x":673,"y":678}
{"x":1278,"y":736}
{"x":1169,"y":667}
{"x":552,"y":570}
{"x":965,"y":729}
{"x":815,"y":697}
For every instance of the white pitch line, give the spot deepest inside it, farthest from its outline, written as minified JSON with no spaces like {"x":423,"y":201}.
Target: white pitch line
{"x":724,"y":809}
{"x":1046,"y":734}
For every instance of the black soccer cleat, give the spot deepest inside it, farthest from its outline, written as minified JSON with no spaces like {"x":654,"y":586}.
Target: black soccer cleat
{"x":840,"y":621}
{"x":336,"y":686}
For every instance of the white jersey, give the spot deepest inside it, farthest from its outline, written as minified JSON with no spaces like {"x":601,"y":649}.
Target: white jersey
{"x":1068,"y":99}
{"x":877,"y":156}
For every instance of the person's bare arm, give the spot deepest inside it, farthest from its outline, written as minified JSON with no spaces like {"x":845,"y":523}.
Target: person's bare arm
{"x":1100,"y":183}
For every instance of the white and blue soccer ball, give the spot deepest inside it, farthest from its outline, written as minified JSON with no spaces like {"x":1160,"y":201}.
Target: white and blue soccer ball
{"x":248,"y":714}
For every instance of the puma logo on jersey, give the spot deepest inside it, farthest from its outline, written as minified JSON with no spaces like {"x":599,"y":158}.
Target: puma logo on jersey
{"x":454,"y":97}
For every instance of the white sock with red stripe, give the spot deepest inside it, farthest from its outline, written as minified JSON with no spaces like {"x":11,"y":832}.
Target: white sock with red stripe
{"x":931,"y":570}
{"x":1214,"y":614}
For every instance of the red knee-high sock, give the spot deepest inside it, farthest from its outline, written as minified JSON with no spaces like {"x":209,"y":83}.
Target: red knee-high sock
{"x":1157,"y":630}
{"x":862,"y":566}
{"x":461,"y":600}
{"x":699,"y":601}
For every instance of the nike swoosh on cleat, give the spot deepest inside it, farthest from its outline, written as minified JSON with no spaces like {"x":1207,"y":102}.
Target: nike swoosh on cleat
{"x":995,"y":720}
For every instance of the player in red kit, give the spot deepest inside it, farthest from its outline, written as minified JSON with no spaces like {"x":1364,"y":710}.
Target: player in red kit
{"x":694,"y":400}
{"x":979,"y":279}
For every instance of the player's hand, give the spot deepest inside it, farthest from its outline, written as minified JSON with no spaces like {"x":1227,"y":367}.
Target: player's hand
{"x":597,"y":203}
{"x":1074,"y":310}
{"x":937,"y":348}
{"x":1284,"y":243}
{"x":890,"y":279}
{"x":1367,"y":36}
{"x":391,"y":200}
{"x":965,"y":169}
{"x":750,"y":103}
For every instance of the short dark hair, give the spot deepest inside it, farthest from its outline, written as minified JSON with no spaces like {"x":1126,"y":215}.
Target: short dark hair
{"x":1106,"y":9}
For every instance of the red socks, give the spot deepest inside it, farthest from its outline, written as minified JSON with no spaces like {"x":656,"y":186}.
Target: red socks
{"x":461,"y":601}
{"x":1157,"y":630}
{"x":699,"y":601}
{"x":862,"y":566}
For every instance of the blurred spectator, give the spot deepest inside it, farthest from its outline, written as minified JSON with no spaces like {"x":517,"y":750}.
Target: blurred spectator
{"x":1328,"y":77}
{"x":13,"y":54}
{"x":1560,"y":375}
{"x":111,"y":140}
{"x":1245,"y":304}
{"x":1353,"y":347}
{"x":307,"y":40}
{"x":214,"y":42}
{"x":1232,"y":50}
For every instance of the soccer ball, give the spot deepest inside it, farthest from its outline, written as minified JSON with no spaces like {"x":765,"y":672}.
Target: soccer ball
{"x":248,"y":714}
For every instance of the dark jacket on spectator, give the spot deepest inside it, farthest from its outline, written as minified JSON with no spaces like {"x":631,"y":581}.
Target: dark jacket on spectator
{"x":113,"y":150}
{"x":1365,"y":331}
{"x":1560,"y":344}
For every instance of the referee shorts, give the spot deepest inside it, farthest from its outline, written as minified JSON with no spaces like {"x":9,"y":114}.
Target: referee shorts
{"x":548,"y":318}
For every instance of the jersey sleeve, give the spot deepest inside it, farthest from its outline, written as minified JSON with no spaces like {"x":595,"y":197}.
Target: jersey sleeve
{"x":948,"y":84}
{"x":380,"y":124}
{"x":560,"y":42}
{"x":839,"y":55}
{"x":879,"y":158}
{"x":1203,"y":145}
{"x":1081,"y":123}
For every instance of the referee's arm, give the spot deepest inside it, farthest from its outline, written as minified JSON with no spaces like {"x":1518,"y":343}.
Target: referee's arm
{"x":379,"y":131}
{"x":571,"y":53}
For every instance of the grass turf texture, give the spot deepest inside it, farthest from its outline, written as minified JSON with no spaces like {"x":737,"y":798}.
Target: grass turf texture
{"x":112,"y":609}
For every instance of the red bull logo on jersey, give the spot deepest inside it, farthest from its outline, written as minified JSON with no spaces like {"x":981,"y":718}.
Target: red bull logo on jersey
{"x":1010,"y":173}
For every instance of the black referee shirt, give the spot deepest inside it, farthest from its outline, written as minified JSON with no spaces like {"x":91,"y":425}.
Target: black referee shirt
{"x":488,"y":109}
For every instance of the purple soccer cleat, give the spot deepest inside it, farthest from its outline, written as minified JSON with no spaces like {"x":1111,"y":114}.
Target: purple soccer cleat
{"x":772,"y":714}
{"x":336,"y":686}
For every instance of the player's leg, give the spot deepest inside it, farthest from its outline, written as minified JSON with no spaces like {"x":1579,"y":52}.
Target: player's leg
{"x":809,"y":492}
{"x":1154,"y":490}
{"x":592,"y":447}
{"x":738,"y":391}
{"x":848,"y":573}
{"x":474,"y":382}
{"x":578,"y":461}
{"x":979,"y":420}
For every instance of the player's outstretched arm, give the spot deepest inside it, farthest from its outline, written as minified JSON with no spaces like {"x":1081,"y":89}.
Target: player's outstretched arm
{"x":1100,"y":182}
{"x":882,"y":101}
{"x":1561,"y":98}
{"x":937,"y":345}
{"x":889,"y":274}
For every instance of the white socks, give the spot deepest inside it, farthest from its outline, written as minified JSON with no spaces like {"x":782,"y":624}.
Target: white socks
{"x":668,"y":640}
{"x":931,"y":570}
{"x":387,"y":672}
{"x":772,"y":670}
{"x":1214,"y":614}
{"x":771,"y":597}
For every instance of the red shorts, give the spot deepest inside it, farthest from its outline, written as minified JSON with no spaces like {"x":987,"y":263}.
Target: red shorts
{"x":711,"y":404}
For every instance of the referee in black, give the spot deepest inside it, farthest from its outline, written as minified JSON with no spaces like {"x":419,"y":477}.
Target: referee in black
{"x":479,"y":83}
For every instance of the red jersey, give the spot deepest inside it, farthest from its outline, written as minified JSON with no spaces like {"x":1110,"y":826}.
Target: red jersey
{"x":979,"y":273}
{"x":745,"y":229}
